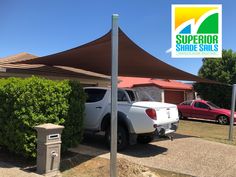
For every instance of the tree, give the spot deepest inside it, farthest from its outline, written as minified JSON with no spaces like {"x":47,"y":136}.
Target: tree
{"x":222,"y":70}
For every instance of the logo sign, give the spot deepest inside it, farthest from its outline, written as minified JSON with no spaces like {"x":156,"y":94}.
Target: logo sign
{"x":196,"y":31}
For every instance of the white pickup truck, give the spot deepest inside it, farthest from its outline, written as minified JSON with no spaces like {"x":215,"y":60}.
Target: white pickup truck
{"x":137,"y":120}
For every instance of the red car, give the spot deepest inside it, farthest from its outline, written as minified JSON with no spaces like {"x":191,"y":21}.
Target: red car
{"x":204,"y":110}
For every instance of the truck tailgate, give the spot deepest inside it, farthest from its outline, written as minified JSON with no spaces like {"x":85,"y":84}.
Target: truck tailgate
{"x":166,"y":115}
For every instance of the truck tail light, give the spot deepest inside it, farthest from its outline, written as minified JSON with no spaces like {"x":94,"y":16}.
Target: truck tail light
{"x":151,"y":113}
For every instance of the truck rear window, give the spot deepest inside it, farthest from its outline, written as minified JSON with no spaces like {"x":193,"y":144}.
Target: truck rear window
{"x":94,"y":95}
{"x":131,"y":95}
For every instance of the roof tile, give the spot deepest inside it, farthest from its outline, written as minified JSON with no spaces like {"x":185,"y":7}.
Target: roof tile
{"x":129,"y":82}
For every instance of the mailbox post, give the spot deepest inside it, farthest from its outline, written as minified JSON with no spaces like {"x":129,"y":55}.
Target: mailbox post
{"x":48,"y":148}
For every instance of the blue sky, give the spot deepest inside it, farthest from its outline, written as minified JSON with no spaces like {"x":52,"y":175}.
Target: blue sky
{"x":43,"y":27}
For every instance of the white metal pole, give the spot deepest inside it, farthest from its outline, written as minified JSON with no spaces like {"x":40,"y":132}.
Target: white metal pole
{"x":114,"y":75}
{"x":231,"y":128}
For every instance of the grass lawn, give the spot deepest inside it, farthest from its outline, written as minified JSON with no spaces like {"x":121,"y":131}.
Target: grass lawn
{"x":206,"y":130}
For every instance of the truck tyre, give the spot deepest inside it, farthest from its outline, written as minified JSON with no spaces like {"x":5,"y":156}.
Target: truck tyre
{"x":122,"y":138}
{"x":145,"y":139}
{"x":181,"y":115}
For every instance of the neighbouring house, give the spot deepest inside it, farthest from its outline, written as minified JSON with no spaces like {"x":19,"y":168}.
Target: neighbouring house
{"x":161,"y":90}
{"x":9,"y":68}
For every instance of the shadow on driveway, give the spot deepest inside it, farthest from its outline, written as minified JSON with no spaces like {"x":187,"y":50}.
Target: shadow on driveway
{"x":144,"y":150}
{"x":98,"y":144}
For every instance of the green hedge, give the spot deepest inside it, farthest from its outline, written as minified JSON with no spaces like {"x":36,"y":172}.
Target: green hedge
{"x":25,"y":103}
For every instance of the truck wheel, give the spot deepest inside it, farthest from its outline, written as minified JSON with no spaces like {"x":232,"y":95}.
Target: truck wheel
{"x":180,"y":115}
{"x":145,"y":139}
{"x":122,"y":138}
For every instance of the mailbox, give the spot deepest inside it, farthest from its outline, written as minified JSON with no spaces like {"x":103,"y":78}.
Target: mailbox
{"x":48,"y":148}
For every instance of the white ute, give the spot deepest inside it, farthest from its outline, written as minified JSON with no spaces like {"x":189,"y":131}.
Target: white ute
{"x":138,"y":121}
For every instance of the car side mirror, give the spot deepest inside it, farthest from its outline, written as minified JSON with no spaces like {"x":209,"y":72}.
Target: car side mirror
{"x":209,"y":108}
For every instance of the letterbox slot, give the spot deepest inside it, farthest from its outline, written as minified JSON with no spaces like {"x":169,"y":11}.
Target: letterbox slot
{"x":53,"y":136}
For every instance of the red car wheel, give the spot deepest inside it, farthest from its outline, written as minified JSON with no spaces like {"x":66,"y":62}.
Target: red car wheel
{"x":223,"y":120}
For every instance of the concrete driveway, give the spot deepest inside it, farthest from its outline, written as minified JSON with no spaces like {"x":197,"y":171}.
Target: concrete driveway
{"x":187,"y":155}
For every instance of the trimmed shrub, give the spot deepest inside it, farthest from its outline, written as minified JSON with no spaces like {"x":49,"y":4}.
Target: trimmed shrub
{"x":25,"y":103}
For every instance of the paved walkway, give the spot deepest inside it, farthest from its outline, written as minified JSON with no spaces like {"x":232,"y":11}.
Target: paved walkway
{"x":7,"y":170}
{"x":187,"y":155}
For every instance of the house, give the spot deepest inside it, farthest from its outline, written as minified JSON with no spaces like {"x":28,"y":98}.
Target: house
{"x":10,"y":68}
{"x":161,"y":90}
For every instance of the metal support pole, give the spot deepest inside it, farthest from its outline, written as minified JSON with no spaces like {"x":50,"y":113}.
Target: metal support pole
{"x":231,"y":128}
{"x":114,"y":75}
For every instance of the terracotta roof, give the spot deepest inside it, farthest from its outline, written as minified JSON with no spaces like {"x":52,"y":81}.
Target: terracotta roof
{"x":129,"y":82}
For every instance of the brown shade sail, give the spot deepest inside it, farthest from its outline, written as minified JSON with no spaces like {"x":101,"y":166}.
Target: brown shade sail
{"x":8,"y":69}
{"x":44,"y":70}
{"x":95,"y":56}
